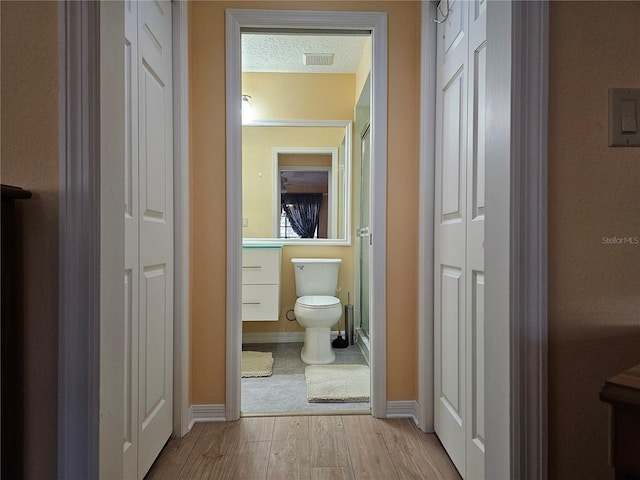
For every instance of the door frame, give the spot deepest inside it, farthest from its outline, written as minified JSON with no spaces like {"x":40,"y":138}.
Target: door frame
{"x":516,"y":237}
{"x":91,"y":158}
{"x":370,"y":21}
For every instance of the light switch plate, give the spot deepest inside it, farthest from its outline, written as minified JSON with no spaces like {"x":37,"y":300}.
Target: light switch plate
{"x":624,"y":117}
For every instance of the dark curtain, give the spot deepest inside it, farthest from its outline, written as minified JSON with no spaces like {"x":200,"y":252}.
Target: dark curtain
{"x":303,"y":212}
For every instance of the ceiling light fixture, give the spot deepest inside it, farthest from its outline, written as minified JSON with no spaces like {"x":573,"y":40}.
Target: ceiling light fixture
{"x":247,"y":111}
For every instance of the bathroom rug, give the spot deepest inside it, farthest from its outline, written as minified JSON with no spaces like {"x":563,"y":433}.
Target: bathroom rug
{"x":338,"y":383}
{"x":256,"y":364}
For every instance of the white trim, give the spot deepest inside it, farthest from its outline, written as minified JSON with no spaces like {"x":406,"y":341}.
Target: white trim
{"x":234,"y":216}
{"x":299,"y":123}
{"x":515,"y":252}
{"x":529,"y":239}
{"x":499,"y":455}
{"x":378,"y":283}
{"x":280,"y":337}
{"x":79,"y":236}
{"x":377,"y":24}
{"x":181,"y":218}
{"x":426,"y":226}
{"x":403,"y":409}
{"x":273,"y":337}
{"x":206,"y":413}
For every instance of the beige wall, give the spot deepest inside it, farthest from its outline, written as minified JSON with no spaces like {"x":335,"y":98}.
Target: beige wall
{"x":296,"y":96}
{"x":29,"y":152}
{"x":594,"y":192}
{"x":208,"y":295}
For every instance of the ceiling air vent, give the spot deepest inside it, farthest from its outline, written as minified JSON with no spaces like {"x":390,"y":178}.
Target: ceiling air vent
{"x":317,"y":59}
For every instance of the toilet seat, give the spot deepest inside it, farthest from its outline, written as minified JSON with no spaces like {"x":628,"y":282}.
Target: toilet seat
{"x":318,"y":302}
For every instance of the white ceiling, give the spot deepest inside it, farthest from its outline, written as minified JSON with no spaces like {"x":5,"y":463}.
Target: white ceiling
{"x":284,"y":52}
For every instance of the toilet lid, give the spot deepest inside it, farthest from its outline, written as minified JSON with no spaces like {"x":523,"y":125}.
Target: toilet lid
{"x":318,"y":301}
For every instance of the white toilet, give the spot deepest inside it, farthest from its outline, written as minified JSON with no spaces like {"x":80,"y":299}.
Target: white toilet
{"x":317,"y":309}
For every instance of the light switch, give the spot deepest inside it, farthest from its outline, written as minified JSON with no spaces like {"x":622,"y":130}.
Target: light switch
{"x":245,"y":222}
{"x":623,"y":117}
{"x":629,"y":113}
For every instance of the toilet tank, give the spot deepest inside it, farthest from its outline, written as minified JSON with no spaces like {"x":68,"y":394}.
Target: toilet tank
{"x":316,"y":276}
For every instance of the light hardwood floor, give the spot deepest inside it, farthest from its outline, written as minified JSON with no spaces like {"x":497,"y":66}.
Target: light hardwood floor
{"x":306,"y":447}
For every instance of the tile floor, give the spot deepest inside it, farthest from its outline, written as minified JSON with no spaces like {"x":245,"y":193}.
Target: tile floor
{"x":285,"y":391}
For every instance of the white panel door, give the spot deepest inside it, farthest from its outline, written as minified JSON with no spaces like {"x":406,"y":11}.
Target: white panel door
{"x":459,"y":235}
{"x":450,"y":225}
{"x":155,"y":402}
{"x":132,"y":244}
{"x":149,"y":234}
{"x":474,"y":291}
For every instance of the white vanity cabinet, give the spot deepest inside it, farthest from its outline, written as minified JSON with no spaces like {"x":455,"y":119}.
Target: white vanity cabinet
{"x":261,"y":283}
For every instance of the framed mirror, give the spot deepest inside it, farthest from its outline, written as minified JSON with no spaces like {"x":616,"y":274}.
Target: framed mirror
{"x":296,"y":182}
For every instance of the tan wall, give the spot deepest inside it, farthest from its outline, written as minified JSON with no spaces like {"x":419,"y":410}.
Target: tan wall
{"x":594,"y":288}
{"x":29,"y":152}
{"x":207,"y":110}
{"x":296,"y":96}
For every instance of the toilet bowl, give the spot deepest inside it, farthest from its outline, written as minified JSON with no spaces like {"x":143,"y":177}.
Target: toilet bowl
{"x":317,"y":314}
{"x":317,"y":309}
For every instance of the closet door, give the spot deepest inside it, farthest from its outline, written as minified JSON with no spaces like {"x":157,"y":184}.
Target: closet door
{"x":149,"y":235}
{"x":132,"y":243}
{"x":459,"y":235}
{"x":474,"y":291}
{"x":450,"y":226}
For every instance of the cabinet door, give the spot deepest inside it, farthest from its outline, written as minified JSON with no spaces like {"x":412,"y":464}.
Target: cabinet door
{"x":260,"y":266}
{"x":260,"y":302}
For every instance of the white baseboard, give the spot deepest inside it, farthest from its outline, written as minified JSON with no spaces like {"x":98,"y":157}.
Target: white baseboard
{"x":273,"y":337}
{"x":281,"y":337}
{"x":216,"y":413}
{"x":403,"y":409}
{"x":206,"y":413}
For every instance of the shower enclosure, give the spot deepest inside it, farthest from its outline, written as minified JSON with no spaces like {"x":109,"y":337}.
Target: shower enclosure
{"x":362,"y":125}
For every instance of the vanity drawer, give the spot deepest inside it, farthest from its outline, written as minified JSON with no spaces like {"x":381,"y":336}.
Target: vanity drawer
{"x":260,"y":302}
{"x":260,"y":266}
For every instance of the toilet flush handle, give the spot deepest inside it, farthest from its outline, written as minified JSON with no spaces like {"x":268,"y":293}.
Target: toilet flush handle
{"x":301,"y":267}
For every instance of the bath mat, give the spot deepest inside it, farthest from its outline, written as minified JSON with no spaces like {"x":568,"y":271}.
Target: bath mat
{"x":256,"y":364}
{"x":338,"y":383}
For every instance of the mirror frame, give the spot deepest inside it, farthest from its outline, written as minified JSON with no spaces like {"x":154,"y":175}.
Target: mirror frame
{"x":348,"y":127}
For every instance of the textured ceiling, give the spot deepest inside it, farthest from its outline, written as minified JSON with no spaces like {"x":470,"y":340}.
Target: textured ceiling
{"x":284,"y":53}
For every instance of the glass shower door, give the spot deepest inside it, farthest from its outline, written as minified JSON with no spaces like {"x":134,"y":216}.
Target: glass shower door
{"x":364,"y":233}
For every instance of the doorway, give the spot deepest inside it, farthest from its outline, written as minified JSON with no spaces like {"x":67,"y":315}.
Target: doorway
{"x":297,"y":196}
{"x":363,"y":23}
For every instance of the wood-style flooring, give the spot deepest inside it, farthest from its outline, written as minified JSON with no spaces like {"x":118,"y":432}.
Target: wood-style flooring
{"x":305,"y":447}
